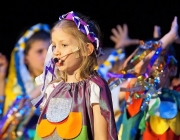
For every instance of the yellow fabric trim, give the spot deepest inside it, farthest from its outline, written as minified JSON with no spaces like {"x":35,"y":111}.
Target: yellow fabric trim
{"x":116,"y":58}
{"x":107,"y":63}
{"x":26,"y":33}
{"x":11,"y":89}
{"x":120,"y":132}
{"x":119,"y":51}
{"x":22,"y":45}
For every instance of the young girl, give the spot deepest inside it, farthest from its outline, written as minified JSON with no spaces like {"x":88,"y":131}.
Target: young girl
{"x":27,"y":62}
{"x":79,"y":106}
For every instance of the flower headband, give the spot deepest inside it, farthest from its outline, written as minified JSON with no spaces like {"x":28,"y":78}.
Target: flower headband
{"x":84,"y":28}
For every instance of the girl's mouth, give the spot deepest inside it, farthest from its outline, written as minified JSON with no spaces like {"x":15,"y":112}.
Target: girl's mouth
{"x":58,"y":61}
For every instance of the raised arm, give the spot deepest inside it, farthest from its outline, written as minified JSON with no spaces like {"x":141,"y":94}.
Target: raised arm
{"x":172,"y":36}
{"x":121,"y":38}
{"x":169,"y":38}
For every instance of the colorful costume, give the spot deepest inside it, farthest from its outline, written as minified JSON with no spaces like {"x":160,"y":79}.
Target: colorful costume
{"x":151,"y":112}
{"x":19,"y":120}
{"x":164,"y":124}
{"x":68,"y":113}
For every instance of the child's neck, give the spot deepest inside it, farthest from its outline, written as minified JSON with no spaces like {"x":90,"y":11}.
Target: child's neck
{"x":73,"y":77}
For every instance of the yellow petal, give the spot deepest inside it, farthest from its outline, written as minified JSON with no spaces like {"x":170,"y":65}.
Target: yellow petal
{"x":158,"y":125}
{"x":175,"y":124}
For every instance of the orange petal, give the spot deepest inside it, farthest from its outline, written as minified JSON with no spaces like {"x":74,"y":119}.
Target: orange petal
{"x":135,"y":106}
{"x":71,"y":127}
{"x":45,"y":128}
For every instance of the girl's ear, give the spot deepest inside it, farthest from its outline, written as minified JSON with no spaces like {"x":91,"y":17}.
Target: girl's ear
{"x":90,"y":48}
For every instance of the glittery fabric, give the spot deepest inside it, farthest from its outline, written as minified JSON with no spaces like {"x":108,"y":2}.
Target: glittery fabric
{"x":80,"y":95}
{"x":58,"y":109}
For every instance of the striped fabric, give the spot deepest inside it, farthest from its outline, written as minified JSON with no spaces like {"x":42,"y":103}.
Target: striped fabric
{"x":108,"y":64}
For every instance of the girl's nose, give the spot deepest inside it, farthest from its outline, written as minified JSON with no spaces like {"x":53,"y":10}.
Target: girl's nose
{"x":56,"y":52}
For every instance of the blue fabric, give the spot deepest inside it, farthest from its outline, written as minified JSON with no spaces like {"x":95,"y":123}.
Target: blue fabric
{"x":37,"y":111}
{"x":168,"y":110}
{"x":119,"y":122}
{"x":1,"y":109}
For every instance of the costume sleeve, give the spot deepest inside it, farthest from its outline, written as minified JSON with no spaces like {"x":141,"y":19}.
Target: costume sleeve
{"x":94,"y":95}
{"x":115,"y":98}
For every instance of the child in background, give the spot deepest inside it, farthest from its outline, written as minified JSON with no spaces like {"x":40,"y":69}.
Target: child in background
{"x":75,"y":102}
{"x":115,"y":60}
{"x":26,"y":63}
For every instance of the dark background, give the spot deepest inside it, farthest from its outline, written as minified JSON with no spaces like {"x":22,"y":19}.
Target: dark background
{"x":140,"y":17}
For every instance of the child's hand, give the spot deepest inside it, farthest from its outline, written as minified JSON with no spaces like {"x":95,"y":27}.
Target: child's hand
{"x":120,"y":37}
{"x":3,"y":67}
{"x":172,"y":36}
{"x":174,"y":31}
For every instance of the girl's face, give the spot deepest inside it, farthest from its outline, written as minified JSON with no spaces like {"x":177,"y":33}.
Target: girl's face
{"x":64,"y":44}
{"x":36,"y":56}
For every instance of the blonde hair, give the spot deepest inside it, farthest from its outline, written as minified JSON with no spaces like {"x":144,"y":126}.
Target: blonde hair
{"x":89,"y":62}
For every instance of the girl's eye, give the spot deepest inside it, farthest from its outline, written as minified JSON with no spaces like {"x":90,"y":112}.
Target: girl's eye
{"x":40,"y":51}
{"x":64,"y":45}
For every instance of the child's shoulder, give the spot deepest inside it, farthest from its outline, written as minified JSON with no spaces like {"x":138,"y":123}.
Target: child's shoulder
{"x":98,"y":80}
{"x":52,"y":86}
